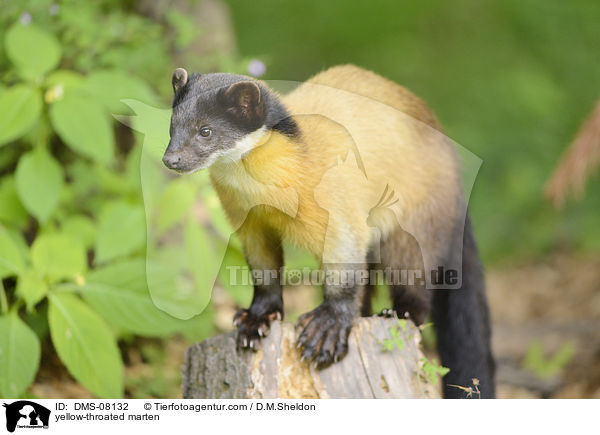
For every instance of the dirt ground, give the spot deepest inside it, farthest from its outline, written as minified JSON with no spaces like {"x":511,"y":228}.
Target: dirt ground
{"x":552,"y":305}
{"x":539,"y":311}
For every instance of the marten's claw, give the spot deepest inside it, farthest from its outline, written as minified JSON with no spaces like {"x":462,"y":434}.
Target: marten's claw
{"x":324,"y":338}
{"x":239,"y":317}
{"x":252,"y":328}
{"x":388,"y":313}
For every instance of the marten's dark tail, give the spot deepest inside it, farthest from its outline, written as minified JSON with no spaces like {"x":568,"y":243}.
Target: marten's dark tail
{"x":462,"y":323}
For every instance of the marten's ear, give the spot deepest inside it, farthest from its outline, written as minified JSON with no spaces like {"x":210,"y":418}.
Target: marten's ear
{"x":179,"y":79}
{"x":244,"y":101}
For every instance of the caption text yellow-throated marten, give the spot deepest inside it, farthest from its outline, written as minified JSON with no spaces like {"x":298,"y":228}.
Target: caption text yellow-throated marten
{"x":376,"y":186}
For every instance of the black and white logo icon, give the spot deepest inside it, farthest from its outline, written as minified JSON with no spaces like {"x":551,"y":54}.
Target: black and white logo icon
{"x":25,"y":414}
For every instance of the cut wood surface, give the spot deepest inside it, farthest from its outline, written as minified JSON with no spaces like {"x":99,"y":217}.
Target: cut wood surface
{"x":215,"y":369}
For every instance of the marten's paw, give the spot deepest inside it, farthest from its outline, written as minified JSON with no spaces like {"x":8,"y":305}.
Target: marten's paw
{"x":325,"y":331}
{"x":252,"y":327}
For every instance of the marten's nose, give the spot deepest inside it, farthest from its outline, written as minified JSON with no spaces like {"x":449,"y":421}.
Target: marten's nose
{"x":171,"y":161}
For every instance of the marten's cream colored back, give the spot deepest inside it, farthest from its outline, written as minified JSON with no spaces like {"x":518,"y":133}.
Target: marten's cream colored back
{"x":398,"y":141}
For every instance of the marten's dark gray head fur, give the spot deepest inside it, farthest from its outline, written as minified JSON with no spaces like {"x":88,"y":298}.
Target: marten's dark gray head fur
{"x":214,"y":116}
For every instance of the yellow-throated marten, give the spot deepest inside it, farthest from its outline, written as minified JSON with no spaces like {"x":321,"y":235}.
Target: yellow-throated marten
{"x":377,"y":186}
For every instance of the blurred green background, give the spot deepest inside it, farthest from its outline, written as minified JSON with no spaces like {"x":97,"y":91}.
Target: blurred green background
{"x":510,"y":81}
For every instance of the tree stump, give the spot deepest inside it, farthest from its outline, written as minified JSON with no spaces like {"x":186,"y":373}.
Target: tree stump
{"x":373,"y":368}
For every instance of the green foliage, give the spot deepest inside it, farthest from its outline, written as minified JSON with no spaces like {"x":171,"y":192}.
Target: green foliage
{"x":32,"y":50}
{"x":396,"y":341}
{"x":545,"y":366}
{"x":74,"y":224}
{"x":431,"y":371}
{"x":121,"y":231}
{"x":20,"y":107}
{"x":58,"y":257}
{"x":19,"y":355}
{"x":427,"y":370}
{"x":90,"y":133}
{"x":186,"y":30}
{"x":118,"y":293}
{"x":81,"y":228}
{"x":11,"y":260}
{"x":32,"y":288}
{"x":11,"y":209}
{"x":39,"y":180}
{"x":86,"y":345}
{"x":160,"y":379}
{"x":511,"y":81}
{"x":108,"y":87}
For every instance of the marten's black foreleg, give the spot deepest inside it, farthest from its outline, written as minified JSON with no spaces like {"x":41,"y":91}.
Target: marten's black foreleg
{"x":264,"y":255}
{"x":325,"y":330}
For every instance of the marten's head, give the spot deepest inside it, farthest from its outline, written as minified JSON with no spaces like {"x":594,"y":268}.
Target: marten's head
{"x":220,"y":117}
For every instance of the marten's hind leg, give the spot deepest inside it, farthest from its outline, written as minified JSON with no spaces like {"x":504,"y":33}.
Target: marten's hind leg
{"x":401,"y":255}
{"x":366,"y":308}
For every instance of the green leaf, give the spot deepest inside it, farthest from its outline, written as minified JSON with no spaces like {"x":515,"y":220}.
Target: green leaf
{"x":443,"y":371}
{"x":431,"y":370}
{"x":39,"y":180}
{"x":112,"y":86}
{"x":19,"y":356}
{"x":118,"y":292}
{"x":83,"y":125}
{"x":388,"y":344}
{"x":175,"y":201}
{"x":85,"y":345}
{"x":32,"y":288}
{"x":32,"y":50}
{"x":11,"y":260}
{"x":399,"y":343}
{"x":20,"y":107}
{"x":81,"y":228}
{"x":58,"y":256}
{"x":121,"y":231}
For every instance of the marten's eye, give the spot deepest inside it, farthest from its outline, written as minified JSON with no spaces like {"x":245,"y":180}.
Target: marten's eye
{"x":205,"y":131}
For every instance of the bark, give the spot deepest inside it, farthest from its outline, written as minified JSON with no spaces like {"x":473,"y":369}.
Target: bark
{"x":215,"y":369}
